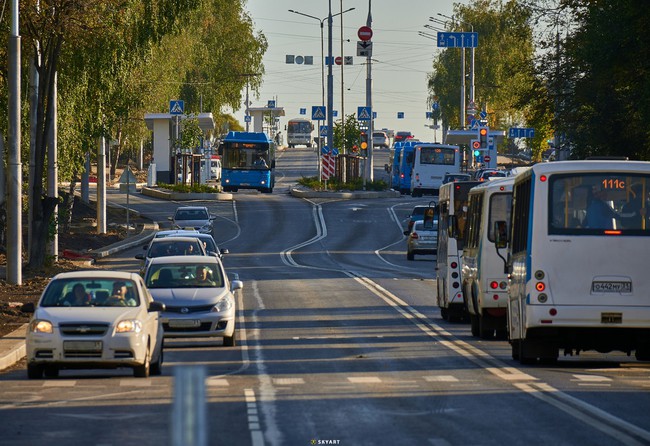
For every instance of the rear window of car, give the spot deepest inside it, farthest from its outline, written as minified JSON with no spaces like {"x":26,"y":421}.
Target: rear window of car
{"x":197,"y":214}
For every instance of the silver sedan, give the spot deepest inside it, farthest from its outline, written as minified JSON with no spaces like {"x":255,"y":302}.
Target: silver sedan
{"x":198,"y":296}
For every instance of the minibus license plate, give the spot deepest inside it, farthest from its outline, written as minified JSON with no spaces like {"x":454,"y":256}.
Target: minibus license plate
{"x":611,"y":287}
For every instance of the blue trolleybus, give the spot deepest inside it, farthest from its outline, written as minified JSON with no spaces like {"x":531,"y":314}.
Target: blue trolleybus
{"x":248,"y":162}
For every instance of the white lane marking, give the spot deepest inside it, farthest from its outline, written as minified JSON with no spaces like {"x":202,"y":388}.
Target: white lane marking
{"x":70,"y":383}
{"x":134,"y":382}
{"x":257,"y":438}
{"x":442,"y":378}
{"x":591,"y":378}
{"x":586,"y":413}
{"x":364,"y":379}
{"x":288,"y":381}
{"x":217,"y":382}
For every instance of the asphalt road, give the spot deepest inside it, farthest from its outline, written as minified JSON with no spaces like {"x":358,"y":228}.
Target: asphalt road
{"x":339,"y":342}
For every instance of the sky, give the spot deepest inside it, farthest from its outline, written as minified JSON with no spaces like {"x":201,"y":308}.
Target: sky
{"x":401,"y":59}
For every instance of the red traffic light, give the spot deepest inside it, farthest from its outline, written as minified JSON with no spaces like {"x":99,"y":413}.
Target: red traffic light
{"x":476,"y":144}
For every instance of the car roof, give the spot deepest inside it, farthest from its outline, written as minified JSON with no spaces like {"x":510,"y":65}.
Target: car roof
{"x":191,"y":238}
{"x":97,"y":274}
{"x":184,"y":260}
{"x":177,"y":233}
{"x":187,"y":208}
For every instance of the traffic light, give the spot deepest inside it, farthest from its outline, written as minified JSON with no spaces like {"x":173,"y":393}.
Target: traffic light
{"x":475,"y":144}
{"x":483,"y":137}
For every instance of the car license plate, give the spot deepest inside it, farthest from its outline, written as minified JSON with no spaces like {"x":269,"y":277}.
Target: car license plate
{"x":86,"y":346}
{"x":184,"y":323}
{"x":611,"y":287}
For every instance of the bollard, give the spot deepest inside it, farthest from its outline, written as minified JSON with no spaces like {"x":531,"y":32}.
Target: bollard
{"x":188,"y":422}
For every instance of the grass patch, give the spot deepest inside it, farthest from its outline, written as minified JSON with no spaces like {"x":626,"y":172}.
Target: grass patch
{"x":186,"y":188}
{"x":335,"y":185}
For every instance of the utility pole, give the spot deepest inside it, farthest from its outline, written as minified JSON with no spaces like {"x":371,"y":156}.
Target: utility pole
{"x":369,"y":163}
{"x":53,"y":168}
{"x":330,"y":82}
{"x":14,"y":167}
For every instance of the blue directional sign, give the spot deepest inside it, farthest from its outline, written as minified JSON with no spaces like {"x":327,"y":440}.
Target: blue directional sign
{"x":335,"y":113}
{"x":271,"y":104}
{"x":303,"y":111}
{"x":318,"y":113}
{"x":400,"y":115}
{"x":176,"y":107}
{"x":324,"y":150}
{"x":374,"y":115}
{"x":516,"y":132}
{"x":483,"y":114}
{"x":457,"y":40}
{"x":364,"y":113}
{"x":247,"y":118}
{"x":323,"y":130}
{"x":335,"y":151}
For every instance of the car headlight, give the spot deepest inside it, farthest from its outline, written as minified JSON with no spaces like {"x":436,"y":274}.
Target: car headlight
{"x":41,"y":326}
{"x":206,"y":227}
{"x":223,"y":305}
{"x":129,"y":326}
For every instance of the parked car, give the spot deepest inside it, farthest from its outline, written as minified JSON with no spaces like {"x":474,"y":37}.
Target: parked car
{"x":192,"y":217}
{"x":379,"y":139}
{"x":422,"y":239}
{"x":198,"y":296}
{"x":208,"y":241}
{"x":94,"y":319}
{"x":170,"y":246}
{"x":453,"y":177}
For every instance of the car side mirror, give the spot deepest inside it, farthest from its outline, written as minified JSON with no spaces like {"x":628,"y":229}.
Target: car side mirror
{"x":170,"y":218}
{"x":224,"y":251}
{"x":406,"y":232}
{"x":139,"y":256}
{"x":236,"y":285}
{"x":156,"y":306}
{"x":29,"y":307}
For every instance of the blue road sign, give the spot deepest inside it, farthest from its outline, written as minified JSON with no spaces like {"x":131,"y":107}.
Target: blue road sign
{"x":303,"y":111}
{"x":364,"y":113}
{"x":457,"y":40}
{"x":335,"y":151}
{"x":483,"y":114}
{"x":318,"y":113}
{"x":516,"y":132}
{"x":335,"y":113}
{"x":429,"y":115}
{"x":271,"y":104}
{"x":323,"y":130}
{"x":324,"y":150}
{"x":400,"y":115}
{"x":176,"y":107}
{"x":247,"y":118}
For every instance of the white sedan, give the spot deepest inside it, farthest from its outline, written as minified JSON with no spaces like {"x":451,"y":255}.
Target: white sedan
{"x":198,"y":296}
{"x":94,"y":319}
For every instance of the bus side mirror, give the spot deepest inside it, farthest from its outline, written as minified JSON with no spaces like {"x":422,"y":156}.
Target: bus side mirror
{"x":500,"y":234}
{"x":452,"y":226}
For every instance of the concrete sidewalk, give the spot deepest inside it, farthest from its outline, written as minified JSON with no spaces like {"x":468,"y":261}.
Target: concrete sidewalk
{"x":12,"y":346}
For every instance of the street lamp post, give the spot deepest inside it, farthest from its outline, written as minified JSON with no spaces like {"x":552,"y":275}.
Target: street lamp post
{"x":330,"y":92}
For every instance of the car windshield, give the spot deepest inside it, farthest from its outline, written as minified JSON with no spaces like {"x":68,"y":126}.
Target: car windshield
{"x":193,"y":214}
{"x":186,"y":275}
{"x":90,"y":292}
{"x":163,"y":247}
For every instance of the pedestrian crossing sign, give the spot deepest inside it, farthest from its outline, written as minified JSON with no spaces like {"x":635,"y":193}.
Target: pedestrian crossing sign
{"x":317,"y":113}
{"x":176,"y":107}
{"x":363,"y":113}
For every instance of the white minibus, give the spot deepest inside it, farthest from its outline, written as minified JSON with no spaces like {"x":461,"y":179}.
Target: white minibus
{"x":430,"y":164}
{"x":485,"y":282}
{"x":578,"y":256}
{"x":452,"y":208}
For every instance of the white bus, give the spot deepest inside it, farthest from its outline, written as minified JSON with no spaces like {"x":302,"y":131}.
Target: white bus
{"x":485,"y":282}
{"x":578,"y":259}
{"x":430,"y":164}
{"x":452,"y":208}
{"x":299,"y":132}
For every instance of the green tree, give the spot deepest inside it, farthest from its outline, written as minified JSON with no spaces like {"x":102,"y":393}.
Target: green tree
{"x":352,"y":131}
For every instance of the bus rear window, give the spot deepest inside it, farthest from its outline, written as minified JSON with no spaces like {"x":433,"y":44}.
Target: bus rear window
{"x":599,"y":203}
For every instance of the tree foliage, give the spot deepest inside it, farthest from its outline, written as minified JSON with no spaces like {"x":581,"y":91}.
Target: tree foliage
{"x":116,"y":60}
